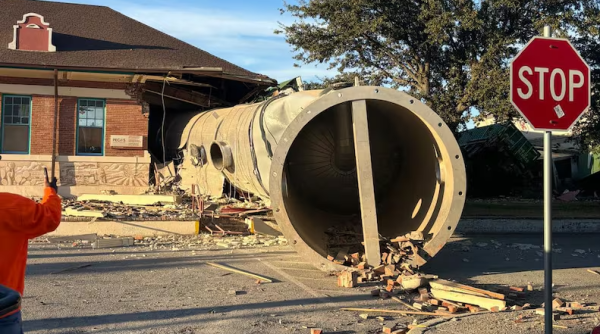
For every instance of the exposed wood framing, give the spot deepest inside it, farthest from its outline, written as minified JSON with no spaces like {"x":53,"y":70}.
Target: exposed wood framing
{"x":185,"y":95}
{"x":250,"y":94}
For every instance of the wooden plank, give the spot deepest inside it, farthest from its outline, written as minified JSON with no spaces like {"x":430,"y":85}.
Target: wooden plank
{"x":593,"y":272}
{"x":484,"y":302}
{"x":366,"y":188}
{"x":238,"y":271}
{"x":396,"y":312}
{"x":453,"y":286}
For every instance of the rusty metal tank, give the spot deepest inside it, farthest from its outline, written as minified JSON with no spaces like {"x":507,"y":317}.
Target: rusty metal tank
{"x":298,"y":153}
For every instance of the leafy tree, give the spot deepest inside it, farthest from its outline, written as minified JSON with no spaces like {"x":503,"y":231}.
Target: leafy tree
{"x":452,"y":54}
{"x":342,"y":78}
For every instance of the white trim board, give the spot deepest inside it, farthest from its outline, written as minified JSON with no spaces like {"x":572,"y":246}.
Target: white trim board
{"x":100,"y":93}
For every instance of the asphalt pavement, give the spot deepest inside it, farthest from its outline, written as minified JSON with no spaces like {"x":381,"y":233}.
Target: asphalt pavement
{"x":136,"y":290}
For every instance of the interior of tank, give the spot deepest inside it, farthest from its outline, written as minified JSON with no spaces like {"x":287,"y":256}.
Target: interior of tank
{"x":320,"y":185}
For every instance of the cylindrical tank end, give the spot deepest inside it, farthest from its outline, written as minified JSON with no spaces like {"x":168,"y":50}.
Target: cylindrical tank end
{"x":418,"y":175}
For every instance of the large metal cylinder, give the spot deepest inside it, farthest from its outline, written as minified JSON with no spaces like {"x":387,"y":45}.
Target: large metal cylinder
{"x":298,"y":152}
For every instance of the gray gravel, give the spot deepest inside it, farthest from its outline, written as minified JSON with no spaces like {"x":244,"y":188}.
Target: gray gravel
{"x":137,"y":290}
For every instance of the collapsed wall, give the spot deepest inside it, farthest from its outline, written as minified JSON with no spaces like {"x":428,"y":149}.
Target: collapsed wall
{"x":297,"y":152}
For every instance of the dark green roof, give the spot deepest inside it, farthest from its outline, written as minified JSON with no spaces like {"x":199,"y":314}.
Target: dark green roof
{"x":506,"y":135}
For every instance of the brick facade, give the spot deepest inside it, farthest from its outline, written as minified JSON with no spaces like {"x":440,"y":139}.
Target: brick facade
{"x":125,"y":118}
{"x":122,"y":117}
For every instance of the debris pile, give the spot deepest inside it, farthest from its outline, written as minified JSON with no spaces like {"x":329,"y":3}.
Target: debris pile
{"x":399,"y":258}
{"x":167,"y":242}
{"x":108,"y":210}
{"x":430,"y":296}
{"x":227,"y":211}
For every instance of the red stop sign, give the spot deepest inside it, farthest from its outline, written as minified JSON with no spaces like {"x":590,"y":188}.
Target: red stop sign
{"x":550,"y":84}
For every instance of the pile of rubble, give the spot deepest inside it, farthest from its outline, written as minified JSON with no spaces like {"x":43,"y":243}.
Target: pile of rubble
{"x":399,"y":258}
{"x":102,"y":210}
{"x":208,"y":242}
{"x":430,"y":296}
{"x":157,"y":207}
{"x":167,"y":242}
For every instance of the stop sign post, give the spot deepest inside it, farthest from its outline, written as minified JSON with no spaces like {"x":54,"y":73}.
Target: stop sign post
{"x":550,"y":88}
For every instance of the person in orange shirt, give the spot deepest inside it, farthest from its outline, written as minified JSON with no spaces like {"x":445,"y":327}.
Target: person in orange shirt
{"x":21,"y":219}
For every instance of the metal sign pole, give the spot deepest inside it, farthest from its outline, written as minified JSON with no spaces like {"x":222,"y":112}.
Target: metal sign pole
{"x":547,"y":223}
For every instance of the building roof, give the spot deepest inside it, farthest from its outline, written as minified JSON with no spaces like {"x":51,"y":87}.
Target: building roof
{"x":475,"y":139}
{"x":98,"y":37}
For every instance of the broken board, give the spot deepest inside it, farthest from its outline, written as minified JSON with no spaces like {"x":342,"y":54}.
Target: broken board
{"x":461,"y":288}
{"x":483,"y":302}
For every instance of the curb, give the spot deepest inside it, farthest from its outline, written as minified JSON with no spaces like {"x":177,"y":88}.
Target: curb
{"x":525,"y":226}
{"x":124,"y":228}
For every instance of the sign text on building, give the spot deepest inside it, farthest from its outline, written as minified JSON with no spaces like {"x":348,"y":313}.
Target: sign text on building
{"x":121,"y":141}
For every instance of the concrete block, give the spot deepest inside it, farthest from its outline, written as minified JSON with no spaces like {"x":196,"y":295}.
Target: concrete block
{"x":132,"y":199}
{"x":123,"y":228}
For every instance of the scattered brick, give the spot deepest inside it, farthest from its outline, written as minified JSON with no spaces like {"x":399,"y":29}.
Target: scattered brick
{"x":379,"y":270}
{"x":390,"y":270}
{"x":516,"y":288}
{"x":348,"y":279}
{"x":316,"y":331}
{"x":472,"y":309}
{"x":556,"y":303}
{"x":387,"y":329}
{"x":575,"y":305}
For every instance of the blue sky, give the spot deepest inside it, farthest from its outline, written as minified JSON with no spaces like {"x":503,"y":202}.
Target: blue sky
{"x":236,"y":30}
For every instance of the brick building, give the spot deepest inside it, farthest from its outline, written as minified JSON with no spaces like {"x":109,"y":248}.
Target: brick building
{"x":107,"y":84}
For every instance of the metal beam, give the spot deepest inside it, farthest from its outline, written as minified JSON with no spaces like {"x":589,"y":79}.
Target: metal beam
{"x":53,"y":169}
{"x":366,"y":189}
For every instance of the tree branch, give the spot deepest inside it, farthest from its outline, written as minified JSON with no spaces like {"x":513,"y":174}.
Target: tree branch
{"x":405,"y":67}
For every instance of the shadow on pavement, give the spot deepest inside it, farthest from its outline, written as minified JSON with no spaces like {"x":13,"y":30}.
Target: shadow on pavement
{"x":143,"y":263}
{"x":173,"y":315}
{"x":450,"y":261}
